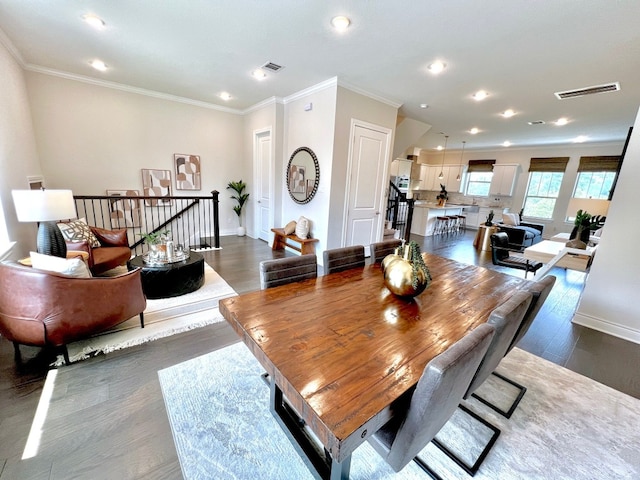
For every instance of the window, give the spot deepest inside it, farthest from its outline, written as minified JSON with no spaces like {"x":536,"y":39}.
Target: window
{"x":596,"y":177}
{"x":479,"y":177}
{"x":478,"y":184}
{"x":545,"y":179}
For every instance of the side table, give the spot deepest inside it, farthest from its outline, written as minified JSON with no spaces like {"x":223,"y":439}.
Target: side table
{"x":482,"y":241}
{"x":171,"y":279}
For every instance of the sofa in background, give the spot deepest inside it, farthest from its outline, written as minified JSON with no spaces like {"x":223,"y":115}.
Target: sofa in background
{"x":521,"y":234}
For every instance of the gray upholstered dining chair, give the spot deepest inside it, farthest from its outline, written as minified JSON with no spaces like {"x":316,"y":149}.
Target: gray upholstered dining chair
{"x":344,"y":258}
{"x":435,"y":398}
{"x":506,"y":319}
{"x":281,"y":271}
{"x":540,"y":291}
{"x":380,"y":250}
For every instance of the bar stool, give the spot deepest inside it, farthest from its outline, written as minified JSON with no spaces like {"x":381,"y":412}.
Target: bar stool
{"x":442,"y":223}
{"x":462,"y":221}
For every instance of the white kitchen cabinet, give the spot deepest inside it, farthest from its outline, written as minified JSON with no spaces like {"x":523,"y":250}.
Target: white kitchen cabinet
{"x":401,"y":167}
{"x":450,"y":175}
{"x":504,"y":179}
{"x":430,"y":181}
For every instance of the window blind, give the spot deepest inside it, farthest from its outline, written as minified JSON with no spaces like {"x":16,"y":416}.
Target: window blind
{"x":607,"y":163}
{"x":548,"y":164}
{"x":481,"y":166}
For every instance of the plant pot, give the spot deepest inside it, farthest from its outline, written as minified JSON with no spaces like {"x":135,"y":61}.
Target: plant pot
{"x":241,"y":231}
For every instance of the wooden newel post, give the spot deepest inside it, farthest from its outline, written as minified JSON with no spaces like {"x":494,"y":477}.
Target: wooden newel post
{"x":216,"y":219}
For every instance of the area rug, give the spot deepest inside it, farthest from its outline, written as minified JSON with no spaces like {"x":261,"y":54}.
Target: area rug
{"x":566,"y":427}
{"x":162,"y":317}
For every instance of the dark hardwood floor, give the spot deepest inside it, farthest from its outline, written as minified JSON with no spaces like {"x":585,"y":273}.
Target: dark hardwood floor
{"x":106,"y":417}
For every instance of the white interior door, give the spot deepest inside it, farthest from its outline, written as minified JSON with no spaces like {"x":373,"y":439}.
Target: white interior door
{"x":367,"y":168}
{"x":263,"y":168}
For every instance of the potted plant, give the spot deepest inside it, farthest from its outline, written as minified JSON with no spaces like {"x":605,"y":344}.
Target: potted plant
{"x":241,"y":197}
{"x":157,"y":242}
{"x":443,"y":196}
{"x":579,"y":237}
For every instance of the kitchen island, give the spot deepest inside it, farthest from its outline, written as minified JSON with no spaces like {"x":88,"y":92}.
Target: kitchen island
{"x":424,"y":217}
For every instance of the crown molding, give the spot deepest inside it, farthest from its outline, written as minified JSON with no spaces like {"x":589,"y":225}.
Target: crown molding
{"x":332,"y":82}
{"x":379,"y":98}
{"x":8,"y":44}
{"x":129,"y":89}
{"x":263,"y":104}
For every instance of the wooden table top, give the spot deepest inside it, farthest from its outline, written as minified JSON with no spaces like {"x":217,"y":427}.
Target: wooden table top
{"x":342,"y":347}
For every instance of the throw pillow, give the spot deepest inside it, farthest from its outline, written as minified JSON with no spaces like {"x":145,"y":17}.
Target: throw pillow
{"x":302,"y":228}
{"x":290,"y":227}
{"x":72,"y":267}
{"x":511,"y":219}
{"x":78,"y":231}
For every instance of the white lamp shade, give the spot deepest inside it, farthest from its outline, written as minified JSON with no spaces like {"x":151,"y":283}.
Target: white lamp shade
{"x":593,"y":206}
{"x":43,"y":205}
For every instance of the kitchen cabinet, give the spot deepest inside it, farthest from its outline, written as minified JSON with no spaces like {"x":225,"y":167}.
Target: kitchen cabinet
{"x":430,"y":178}
{"x":504,"y":180}
{"x":401,"y":167}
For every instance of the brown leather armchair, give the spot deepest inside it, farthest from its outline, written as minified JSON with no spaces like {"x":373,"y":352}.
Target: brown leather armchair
{"x":43,"y":308}
{"x":113,"y":250}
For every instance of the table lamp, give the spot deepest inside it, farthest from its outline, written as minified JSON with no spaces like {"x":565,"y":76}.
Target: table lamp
{"x":46,"y":207}
{"x":593,"y":206}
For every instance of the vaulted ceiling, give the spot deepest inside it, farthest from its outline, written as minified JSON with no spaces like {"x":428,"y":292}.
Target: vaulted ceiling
{"x":518,"y":51}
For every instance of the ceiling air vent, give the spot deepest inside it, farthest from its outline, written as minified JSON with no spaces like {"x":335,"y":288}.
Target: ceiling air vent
{"x":272,"y":67}
{"x":581,"y":92}
{"x":536,"y":122}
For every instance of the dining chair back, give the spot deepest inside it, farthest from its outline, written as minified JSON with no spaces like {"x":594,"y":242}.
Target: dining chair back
{"x":281,"y":271}
{"x":539,"y":291}
{"x":380,"y":250}
{"x":435,"y":398}
{"x":344,"y":258}
{"x":506,"y":319}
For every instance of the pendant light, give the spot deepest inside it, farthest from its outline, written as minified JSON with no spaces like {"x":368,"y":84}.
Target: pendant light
{"x":461,"y":155}
{"x":444,"y":150}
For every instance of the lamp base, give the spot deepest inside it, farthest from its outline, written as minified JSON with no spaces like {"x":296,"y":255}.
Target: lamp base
{"x":50,"y":240}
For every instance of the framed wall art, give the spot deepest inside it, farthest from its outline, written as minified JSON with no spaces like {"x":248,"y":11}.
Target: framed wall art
{"x":124,"y":212}
{"x":187,"y":171}
{"x":156,"y":183}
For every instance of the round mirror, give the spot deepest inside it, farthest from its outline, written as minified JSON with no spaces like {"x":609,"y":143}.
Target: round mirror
{"x":303,"y":175}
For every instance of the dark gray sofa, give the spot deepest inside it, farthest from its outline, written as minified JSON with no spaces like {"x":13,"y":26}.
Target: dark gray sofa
{"x":523,"y":235}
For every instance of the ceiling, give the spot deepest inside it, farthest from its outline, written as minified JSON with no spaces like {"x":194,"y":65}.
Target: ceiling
{"x":519,"y":51}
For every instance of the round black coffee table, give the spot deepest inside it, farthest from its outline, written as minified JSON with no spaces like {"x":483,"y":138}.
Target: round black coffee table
{"x":171,"y":279}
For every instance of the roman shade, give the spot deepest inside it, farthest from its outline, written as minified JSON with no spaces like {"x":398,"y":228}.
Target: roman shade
{"x":548,"y":164}
{"x":481,"y":166}
{"x":608,"y":163}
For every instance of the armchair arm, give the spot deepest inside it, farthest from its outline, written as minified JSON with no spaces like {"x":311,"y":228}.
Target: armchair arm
{"x":82,"y":247}
{"x":111,"y":238}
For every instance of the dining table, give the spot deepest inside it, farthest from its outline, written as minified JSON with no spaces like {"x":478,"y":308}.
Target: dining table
{"x":341,"y":349}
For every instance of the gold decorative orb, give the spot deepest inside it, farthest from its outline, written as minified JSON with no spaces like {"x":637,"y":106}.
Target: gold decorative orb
{"x":398,"y":277}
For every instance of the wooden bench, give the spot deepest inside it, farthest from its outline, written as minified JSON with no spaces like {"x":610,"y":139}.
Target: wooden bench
{"x":281,"y":240}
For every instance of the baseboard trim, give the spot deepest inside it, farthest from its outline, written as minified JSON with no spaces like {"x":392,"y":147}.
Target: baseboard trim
{"x":604,"y":326}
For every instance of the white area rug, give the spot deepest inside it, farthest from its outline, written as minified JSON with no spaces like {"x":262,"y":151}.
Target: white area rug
{"x":566,"y":427}
{"x":162,"y":317}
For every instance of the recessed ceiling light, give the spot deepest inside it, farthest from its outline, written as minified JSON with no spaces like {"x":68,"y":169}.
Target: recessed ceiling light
{"x":340,"y":23}
{"x":439,"y":147}
{"x":436,"y":67}
{"x":424,"y":105}
{"x":580,"y":139}
{"x":225,"y":96}
{"x":561,"y":121}
{"x":506,"y":143}
{"x":508,"y":113}
{"x":98,"y":65}
{"x":480,"y":95}
{"x":259,"y":74}
{"x":474,"y":130}
{"x":93,"y":20}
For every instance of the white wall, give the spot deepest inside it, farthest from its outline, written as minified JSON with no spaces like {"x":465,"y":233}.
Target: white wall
{"x":18,"y":156}
{"x":92,"y":138}
{"x":314,"y":129}
{"x":609,"y":302}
